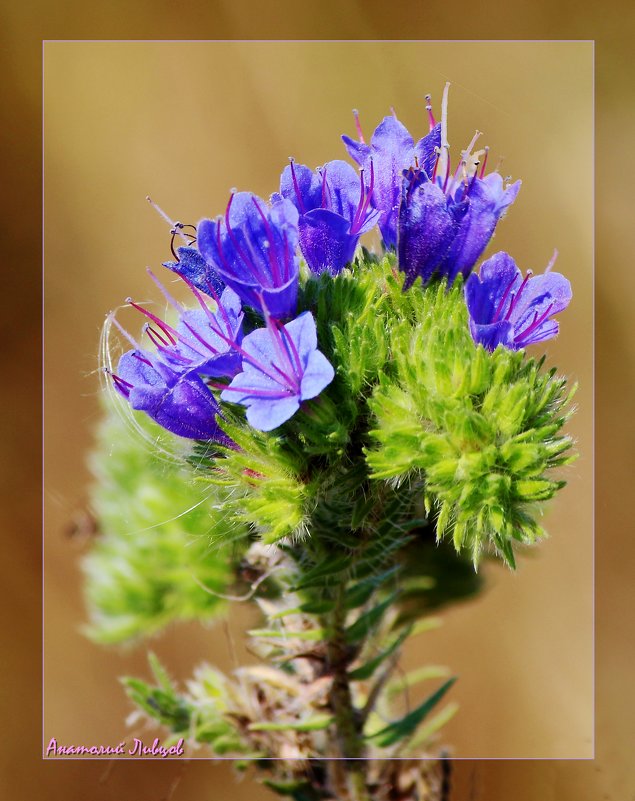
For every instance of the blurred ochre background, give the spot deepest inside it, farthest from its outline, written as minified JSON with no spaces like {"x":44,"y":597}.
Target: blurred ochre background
{"x":77,"y":296}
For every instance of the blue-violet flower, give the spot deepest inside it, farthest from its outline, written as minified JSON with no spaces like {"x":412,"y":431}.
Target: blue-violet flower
{"x":252,"y":248}
{"x":334,"y":207}
{"x":446,"y":222}
{"x":179,"y":402}
{"x":393,"y":150}
{"x":281,"y":368}
{"x":507,"y":309}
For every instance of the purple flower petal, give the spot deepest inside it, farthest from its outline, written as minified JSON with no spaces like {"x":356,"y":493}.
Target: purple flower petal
{"x":325,"y":241}
{"x":281,"y":368}
{"x":179,"y":403}
{"x":426,"y":228}
{"x":507,"y":309}
{"x":392,"y":150}
{"x":253,"y":249}
{"x":334,"y":207}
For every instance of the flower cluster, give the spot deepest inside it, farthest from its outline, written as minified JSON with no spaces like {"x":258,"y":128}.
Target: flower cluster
{"x":437,"y":220}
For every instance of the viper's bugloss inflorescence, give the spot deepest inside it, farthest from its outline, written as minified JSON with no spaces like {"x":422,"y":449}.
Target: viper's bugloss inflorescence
{"x":305,"y":363}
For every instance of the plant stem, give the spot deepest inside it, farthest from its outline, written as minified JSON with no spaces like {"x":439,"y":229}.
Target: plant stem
{"x":350,"y":770}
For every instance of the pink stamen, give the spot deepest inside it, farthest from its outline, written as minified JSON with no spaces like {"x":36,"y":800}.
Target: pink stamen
{"x":431,"y":119}
{"x":214,"y":295}
{"x":516,"y":298}
{"x":484,"y":162}
{"x":535,"y":323}
{"x":501,"y":305}
{"x":262,"y":279}
{"x":289,"y":343}
{"x":362,"y":195}
{"x":231,"y":342}
{"x":155,"y":337}
{"x":436,"y":164}
{"x":123,"y":386}
{"x":203,"y":342}
{"x":358,"y":126}
{"x":261,"y":393}
{"x":281,"y":349}
{"x":271,"y":251}
{"x":296,"y":187}
{"x":365,"y":196}
{"x":170,"y":332}
{"x":142,"y":359}
{"x":447,"y":174}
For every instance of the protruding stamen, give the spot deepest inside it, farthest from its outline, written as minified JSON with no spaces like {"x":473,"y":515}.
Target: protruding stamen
{"x":436,"y":164}
{"x":272,"y":394}
{"x":249,"y":265}
{"x":155,"y":337}
{"x":484,"y":162}
{"x":358,"y":126}
{"x":447,"y":168}
{"x":552,"y":260}
{"x":501,"y":305}
{"x":465,"y":154}
{"x":213,"y":324}
{"x":393,"y":112}
{"x":172,"y":301}
{"x":296,"y":185}
{"x":172,"y":224}
{"x":431,"y":119}
{"x":272,"y":251}
{"x":170,"y":332}
{"x":203,"y":342}
{"x":517,"y":295}
{"x":444,"y":166}
{"x":123,"y":386}
{"x":289,"y":345}
{"x":281,"y":349}
{"x":535,"y":323}
{"x":141,"y":358}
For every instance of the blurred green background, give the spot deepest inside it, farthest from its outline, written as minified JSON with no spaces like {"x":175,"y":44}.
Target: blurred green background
{"x":162,"y":147}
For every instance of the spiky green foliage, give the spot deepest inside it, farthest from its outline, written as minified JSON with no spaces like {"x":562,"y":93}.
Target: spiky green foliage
{"x":479,"y":430}
{"x":165,"y":545}
{"x":415,"y":404}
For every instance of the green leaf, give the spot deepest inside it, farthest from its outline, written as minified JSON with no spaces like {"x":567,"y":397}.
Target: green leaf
{"x":315,"y":723}
{"x":365,"y":624}
{"x":311,"y":635}
{"x":400,"y":729}
{"x":366,"y":671}
{"x":325,"y":569}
